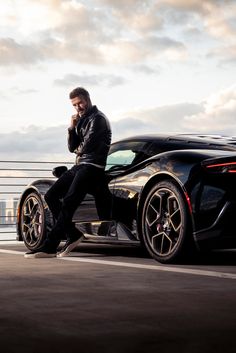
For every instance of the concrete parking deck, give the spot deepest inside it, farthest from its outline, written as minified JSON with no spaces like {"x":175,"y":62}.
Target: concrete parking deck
{"x":106,"y":299}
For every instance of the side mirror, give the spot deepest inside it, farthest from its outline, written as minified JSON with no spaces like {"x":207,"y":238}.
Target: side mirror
{"x":58,"y":171}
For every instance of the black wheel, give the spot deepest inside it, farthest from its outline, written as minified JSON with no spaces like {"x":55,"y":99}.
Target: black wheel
{"x":165,"y":223}
{"x":35,"y":220}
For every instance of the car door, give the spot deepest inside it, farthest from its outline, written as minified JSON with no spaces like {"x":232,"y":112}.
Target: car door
{"x":126,"y":180}
{"x":123,"y":156}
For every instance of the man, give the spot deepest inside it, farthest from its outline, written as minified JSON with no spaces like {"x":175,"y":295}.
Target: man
{"x":89,"y":136}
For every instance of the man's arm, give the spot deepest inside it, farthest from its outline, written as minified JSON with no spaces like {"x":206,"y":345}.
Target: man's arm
{"x":73,"y":138}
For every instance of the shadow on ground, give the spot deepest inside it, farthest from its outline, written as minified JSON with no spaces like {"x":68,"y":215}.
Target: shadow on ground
{"x":219,"y":257}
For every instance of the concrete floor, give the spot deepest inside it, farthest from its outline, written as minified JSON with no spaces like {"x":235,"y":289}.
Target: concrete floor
{"x":58,"y":306}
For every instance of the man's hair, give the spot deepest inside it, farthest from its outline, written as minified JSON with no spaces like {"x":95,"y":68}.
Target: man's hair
{"x":79,"y":91}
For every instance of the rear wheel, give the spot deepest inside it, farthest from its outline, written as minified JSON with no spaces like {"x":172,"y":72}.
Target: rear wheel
{"x":165,"y":223}
{"x":35,"y":220}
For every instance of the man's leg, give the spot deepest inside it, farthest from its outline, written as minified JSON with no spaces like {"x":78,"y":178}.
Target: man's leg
{"x":57,"y":191}
{"x":85,"y":175}
{"x":103,"y":199}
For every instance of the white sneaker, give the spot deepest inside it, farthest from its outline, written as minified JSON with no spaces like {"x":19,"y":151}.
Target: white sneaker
{"x":69,"y":246}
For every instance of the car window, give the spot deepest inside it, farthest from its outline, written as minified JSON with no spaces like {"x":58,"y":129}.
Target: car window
{"x":120,"y":159}
{"x":122,"y":155}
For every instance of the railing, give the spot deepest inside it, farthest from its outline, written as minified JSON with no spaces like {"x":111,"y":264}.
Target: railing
{"x":14,"y":177}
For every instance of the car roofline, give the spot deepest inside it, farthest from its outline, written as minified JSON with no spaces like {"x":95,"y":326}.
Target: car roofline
{"x":186,"y":137}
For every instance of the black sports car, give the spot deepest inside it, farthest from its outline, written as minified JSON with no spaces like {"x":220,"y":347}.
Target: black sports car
{"x":171,"y":194}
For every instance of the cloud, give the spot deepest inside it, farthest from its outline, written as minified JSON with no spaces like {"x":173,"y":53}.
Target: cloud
{"x":71,"y":33}
{"x":12,"y":52}
{"x":226,"y":54}
{"x":186,"y":5}
{"x":215,"y":115}
{"x":51,"y":142}
{"x":217,"y":16}
{"x":128,"y":127}
{"x":139,"y":51}
{"x":54,"y":4}
{"x":218,"y":114}
{"x":117,"y":51}
{"x":212,"y":22}
{"x":35,"y":140}
{"x":90,"y":35}
{"x":122,"y":4}
{"x":22,"y":91}
{"x":146,"y":69}
{"x":166,"y":45}
{"x":132,"y":32}
{"x":91,"y":80}
{"x":139,"y":16}
{"x":166,"y":119}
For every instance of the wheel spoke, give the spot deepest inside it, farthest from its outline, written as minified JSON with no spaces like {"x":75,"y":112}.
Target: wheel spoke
{"x":25,"y":225}
{"x":30,"y":205}
{"x":35,"y":228}
{"x":175,"y":220}
{"x":28,"y":236}
{"x":31,"y":236}
{"x":154,"y":211}
{"x":163,"y":242}
{"x":174,"y":213}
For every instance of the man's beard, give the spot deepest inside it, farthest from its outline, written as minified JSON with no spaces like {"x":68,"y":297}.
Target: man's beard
{"x":82,"y":112}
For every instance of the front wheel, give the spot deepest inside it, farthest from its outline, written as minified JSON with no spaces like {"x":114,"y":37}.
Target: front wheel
{"x":165,"y":223}
{"x":35,"y":220}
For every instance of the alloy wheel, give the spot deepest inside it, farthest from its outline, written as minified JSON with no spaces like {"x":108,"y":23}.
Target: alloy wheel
{"x":166,"y":223}
{"x":163,"y":220}
{"x":32,"y":220}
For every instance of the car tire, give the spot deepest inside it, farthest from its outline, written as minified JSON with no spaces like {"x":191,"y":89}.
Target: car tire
{"x":36,"y":220}
{"x":165,"y":225}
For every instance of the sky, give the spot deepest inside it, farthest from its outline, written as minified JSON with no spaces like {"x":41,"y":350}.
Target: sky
{"x":154,"y":66}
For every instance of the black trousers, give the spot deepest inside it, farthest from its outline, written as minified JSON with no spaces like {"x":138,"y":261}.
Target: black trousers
{"x":69,"y":191}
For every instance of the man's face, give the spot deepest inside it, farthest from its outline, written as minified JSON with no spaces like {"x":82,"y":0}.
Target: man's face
{"x":81,"y":105}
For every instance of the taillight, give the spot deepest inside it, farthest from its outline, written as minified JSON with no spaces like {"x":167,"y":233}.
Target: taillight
{"x":228,"y":167}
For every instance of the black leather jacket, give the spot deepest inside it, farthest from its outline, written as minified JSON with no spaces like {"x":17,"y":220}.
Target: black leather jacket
{"x":91,"y":138}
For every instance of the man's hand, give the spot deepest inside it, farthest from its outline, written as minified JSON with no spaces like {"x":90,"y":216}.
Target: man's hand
{"x":74,"y":120}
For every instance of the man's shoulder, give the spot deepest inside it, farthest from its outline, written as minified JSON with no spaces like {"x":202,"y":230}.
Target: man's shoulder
{"x":95,"y":112}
